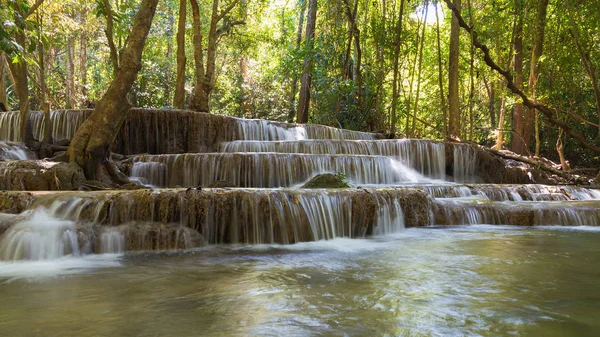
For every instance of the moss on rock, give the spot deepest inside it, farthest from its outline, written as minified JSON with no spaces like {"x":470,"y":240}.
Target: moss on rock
{"x":327,"y":180}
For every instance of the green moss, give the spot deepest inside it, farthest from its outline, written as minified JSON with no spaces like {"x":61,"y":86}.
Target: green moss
{"x":327,"y":180}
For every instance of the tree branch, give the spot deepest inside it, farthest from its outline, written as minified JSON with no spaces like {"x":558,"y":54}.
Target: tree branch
{"x":546,"y":111}
{"x":33,"y":8}
{"x":226,"y":10}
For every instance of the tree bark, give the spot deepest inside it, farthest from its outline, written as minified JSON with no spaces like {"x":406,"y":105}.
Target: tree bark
{"x":83,"y":42}
{"x":179,"y":97}
{"x":205,"y":74}
{"x":440,"y":73}
{"x":534,"y":72}
{"x":90,"y":145}
{"x":422,"y":44}
{"x":396,"y":80}
{"x":454,"y":113}
{"x":114,"y":55}
{"x":71,"y":73}
{"x":3,"y":102}
{"x":304,"y":99}
{"x":517,"y":144}
{"x":294,"y":88}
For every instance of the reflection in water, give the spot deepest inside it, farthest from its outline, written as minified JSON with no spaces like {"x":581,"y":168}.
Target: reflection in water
{"x":477,"y":280}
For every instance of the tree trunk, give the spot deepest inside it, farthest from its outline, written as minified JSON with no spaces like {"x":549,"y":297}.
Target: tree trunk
{"x":440,"y":73}
{"x":534,"y":72}
{"x":454,"y":113}
{"x":71,"y":73}
{"x":114,"y":55}
{"x":471,"y":79}
{"x":500,"y":135}
{"x":20,"y":75}
{"x":304,"y":99}
{"x":205,"y":75}
{"x":83,"y":42}
{"x":422,"y":44}
{"x":292,"y":100}
{"x":396,"y":81}
{"x":168,"y":70}
{"x":198,"y":57}
{"x":3,"y":102}
{"x":90,"y":145}
{"x":243,"y":83}
{"x":179,"y":97}
{"x":517,"y":144}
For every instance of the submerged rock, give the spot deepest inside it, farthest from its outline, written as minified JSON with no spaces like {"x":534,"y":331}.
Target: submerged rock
{"x":327,"y":180}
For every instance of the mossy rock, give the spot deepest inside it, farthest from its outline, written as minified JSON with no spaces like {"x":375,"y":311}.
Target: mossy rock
{"x":327,"y":180}
{"x":222,"y":184}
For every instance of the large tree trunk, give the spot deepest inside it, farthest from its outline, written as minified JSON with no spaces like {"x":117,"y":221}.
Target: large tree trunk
{"x":304,"y":100}
{"x":198,"y":57}
{"x":90,"y":145}
{"x":294,"y":88}
{"x":517,"y":143}
{"x":396,"y":81}
{"x":534,"y":72}
{"x":19,"y":72}
{"x":179,"y":97}
{"x":454,"y":113}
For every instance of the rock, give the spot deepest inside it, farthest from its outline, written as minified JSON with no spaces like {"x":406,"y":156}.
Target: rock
{"x":221,"y":184}
{"x":327,"y":180}
{"x":40,"y":175}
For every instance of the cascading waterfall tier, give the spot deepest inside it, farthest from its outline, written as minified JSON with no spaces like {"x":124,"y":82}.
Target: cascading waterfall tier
{"x":472,"y":211}
{"x":173,"y":131}
{"x":170,"y":219}
{"x":14,"y":151}
{"x":266,"y":169}
{"x":425,"y":156}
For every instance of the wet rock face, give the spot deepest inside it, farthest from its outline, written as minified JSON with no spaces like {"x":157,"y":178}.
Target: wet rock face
{"x":32,"y":175}
{"x":327,"y":180}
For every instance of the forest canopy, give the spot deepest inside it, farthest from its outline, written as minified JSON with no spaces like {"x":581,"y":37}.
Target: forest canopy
{"x":399,"y":67}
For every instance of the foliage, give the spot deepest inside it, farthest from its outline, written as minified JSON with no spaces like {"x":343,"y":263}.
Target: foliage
{"x":266,"y":47}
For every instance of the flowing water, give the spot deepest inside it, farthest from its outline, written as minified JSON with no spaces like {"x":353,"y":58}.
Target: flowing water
{"x":476,"y":281}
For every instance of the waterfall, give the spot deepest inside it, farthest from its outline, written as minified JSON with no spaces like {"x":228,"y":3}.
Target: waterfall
{"x":14,"y":151}
{"x":465,"y":160}
{"x":269,"y":169}
{"x":40,"y":237}
{"x":390,"y":217}
{"x":10,"y":126}
{"x":112,"y":242}
{"x":425,"y":156}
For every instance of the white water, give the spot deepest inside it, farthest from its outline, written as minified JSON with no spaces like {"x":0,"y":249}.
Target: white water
{"x":268,"y":170}
{"x":425,"y":156}
{"x":14,"y":151}
{"x":40,"y":237}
